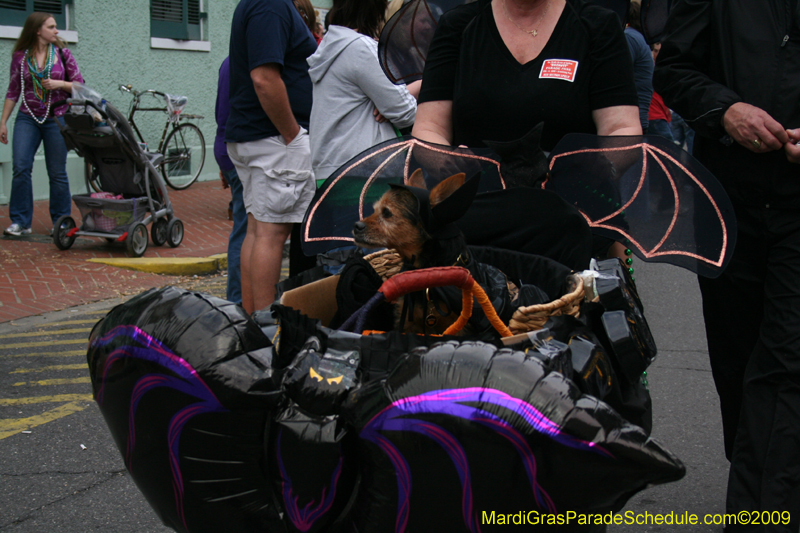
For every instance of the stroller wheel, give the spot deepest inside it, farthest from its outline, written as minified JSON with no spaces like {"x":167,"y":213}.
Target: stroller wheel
{"x":174,"y":232}
{"x":137,"y":240}
{"x":158,"y":231}
{"x":62,"y":227}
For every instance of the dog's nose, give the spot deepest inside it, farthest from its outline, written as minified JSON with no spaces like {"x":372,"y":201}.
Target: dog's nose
{"x":359,"y":226}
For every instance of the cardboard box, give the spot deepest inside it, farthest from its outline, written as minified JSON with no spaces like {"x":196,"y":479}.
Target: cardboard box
{"x":315,"y":300}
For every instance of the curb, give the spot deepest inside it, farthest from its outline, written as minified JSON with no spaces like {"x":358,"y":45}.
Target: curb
{"x":171,"y":266}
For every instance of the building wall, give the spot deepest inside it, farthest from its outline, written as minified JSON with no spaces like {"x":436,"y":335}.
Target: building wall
{"x":114,"y":48}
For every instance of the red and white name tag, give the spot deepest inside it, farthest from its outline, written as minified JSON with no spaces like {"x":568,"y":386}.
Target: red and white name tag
{"x":559,"y":69}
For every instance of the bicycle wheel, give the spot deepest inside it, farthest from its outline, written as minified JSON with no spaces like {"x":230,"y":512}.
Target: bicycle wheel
{"x":184,"y":155}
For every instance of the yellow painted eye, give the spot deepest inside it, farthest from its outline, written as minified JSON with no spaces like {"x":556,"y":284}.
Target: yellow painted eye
{"x":335,"y":380}
{"x":314,"y":375}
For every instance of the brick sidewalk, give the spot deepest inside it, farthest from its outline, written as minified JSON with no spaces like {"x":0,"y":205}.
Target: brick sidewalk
{"x":36,"y":277}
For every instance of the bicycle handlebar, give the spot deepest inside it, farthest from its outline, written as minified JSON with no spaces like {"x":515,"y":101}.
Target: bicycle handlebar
{"x":129,"y":89}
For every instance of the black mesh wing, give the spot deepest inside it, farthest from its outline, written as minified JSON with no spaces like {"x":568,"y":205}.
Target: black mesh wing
{"x":647,"y":190}
{"x":348,"y":194}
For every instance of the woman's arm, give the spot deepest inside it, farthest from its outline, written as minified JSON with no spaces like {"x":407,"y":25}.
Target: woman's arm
{"x":51,"y":85}
{"x":414,"y":87}
{"x":71,"y":72}
{"x":617,"y":120}
{"x":435,"y":122}
{"x":393,"y":102}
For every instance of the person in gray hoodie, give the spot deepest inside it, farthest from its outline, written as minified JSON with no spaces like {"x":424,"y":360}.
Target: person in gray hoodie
{"x":355,"y":106}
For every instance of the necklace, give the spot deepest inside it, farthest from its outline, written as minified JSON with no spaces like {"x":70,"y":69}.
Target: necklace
{"x":46,"y":70}
{"x":534,"y":32}
{"x":37,"y":74}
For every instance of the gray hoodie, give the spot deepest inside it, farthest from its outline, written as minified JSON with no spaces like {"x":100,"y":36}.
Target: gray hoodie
{"x":348,"y":85}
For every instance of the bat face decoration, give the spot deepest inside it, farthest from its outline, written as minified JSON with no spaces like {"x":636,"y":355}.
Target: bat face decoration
{"x":313,"y":374}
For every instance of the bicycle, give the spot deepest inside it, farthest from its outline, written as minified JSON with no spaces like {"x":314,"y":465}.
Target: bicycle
{"x":182,"y":143}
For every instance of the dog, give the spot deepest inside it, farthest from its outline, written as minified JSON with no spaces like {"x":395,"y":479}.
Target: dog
{"x":400,"y":222}
{"x":420,"y":226}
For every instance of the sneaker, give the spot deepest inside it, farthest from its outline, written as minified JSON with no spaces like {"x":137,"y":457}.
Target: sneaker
{"x":53,"y":229}
{"x":16,"y":230}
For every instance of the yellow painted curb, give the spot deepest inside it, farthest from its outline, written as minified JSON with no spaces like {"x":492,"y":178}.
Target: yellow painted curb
{"x":172,"y":266}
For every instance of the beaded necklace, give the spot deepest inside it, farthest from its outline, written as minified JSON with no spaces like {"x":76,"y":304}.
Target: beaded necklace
{"x":37,"y":76}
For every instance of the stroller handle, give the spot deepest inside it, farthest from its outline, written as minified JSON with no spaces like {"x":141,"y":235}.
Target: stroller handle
{"x":76,"y":101}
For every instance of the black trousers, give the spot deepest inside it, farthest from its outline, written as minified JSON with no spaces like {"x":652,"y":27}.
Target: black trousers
{"x":752,"y":314}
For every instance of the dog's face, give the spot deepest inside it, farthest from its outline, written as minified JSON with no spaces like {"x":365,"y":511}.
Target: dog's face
{"x":396,"y":223}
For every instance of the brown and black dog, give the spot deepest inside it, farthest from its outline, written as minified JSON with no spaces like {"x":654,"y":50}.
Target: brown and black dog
{"x":419,"y":225}
{"x":399,"y":222}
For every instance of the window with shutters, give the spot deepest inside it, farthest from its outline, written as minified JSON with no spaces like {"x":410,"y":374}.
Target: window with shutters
{"x":14,"y":12}
{"x":176,"y":19}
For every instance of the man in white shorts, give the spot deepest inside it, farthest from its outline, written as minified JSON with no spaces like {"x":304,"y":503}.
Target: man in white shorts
{"x":267,"y":137}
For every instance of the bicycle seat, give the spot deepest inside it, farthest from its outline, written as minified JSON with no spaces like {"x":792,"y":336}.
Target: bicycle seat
{"x":175,"y":104}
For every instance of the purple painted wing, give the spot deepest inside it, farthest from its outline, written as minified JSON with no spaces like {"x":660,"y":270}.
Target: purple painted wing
{"x":646,"y":190}
{"x":348,"y":194}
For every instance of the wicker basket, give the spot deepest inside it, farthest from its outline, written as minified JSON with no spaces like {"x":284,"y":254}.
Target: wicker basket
{"x":387,"y":263}
{"x":533,"y":317}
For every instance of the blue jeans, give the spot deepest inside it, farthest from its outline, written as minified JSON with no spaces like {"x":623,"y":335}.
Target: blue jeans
{"x":28,"y":135}
{"x":234,"y":292}
{"x":681,"y":132}
{"x":660,"y":127}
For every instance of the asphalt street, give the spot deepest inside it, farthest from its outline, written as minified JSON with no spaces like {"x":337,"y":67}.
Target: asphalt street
{"x":61,"y":472}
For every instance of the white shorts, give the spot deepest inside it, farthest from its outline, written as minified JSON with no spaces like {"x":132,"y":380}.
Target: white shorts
{"x":277,"y":180}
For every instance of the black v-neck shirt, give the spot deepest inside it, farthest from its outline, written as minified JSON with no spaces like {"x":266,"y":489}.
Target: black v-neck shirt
{"x":498,"y":99}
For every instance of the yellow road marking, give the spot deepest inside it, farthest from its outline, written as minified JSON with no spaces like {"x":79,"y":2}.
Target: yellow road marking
{"x":77,"y":366}
{"x":56,"y":398}
{"x":67,"y":353}
{"x":47,"y":382}
{"x":46,"y":333}
{"x":70,"y":323}
{"x":45,"y":343}
{"x":12,"y":426}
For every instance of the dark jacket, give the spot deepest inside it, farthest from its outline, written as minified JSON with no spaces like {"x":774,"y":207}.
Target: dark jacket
{"x":720,"y":52}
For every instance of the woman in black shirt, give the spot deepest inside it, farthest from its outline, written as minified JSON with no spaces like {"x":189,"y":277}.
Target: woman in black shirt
{"x":495,"y":69}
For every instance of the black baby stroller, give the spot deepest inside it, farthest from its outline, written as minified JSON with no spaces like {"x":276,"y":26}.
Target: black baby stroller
{"x":132,"y":191}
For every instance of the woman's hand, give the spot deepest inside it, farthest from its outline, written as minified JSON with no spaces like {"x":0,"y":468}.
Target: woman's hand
{"x":3,"y":134}
{"x":51,"y":84}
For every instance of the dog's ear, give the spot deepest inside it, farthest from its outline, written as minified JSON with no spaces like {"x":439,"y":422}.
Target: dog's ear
{"x":446,"y":188}
{"x":417,"y":180}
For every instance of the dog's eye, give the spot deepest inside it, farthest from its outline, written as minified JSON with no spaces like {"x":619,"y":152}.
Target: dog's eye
{"x":386,"y":213}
